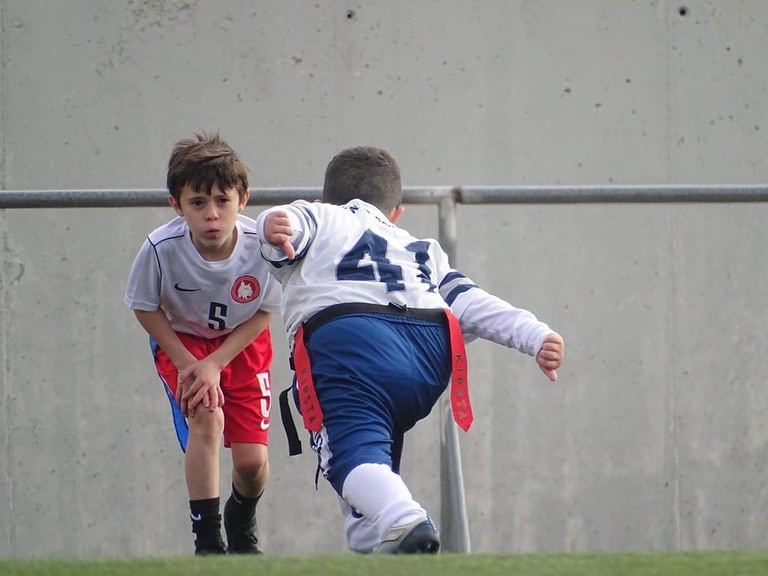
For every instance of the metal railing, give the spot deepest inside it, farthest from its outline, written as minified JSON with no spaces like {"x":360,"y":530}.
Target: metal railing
{"x":454,"y":526}
{"x":413,"y":195}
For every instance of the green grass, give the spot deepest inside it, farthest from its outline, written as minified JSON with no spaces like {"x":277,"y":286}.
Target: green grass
{"x":711,"y":563}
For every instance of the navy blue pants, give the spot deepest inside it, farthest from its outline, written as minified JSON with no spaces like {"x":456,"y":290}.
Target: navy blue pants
{"x":375,"y":377}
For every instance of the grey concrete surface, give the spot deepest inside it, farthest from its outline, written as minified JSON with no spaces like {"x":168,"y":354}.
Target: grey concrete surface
{"x":654,"y":437}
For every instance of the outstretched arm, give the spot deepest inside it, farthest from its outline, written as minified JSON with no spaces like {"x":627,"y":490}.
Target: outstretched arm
{"x":489,"y":317}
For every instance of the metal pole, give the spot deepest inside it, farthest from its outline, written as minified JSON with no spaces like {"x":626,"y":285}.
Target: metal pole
{"x":454,"y":526}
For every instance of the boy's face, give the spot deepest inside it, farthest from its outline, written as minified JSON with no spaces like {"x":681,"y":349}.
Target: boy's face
{"x":211,"y":218}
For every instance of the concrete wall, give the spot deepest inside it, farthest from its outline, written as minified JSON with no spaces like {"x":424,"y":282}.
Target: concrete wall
{"x":655,"y":435}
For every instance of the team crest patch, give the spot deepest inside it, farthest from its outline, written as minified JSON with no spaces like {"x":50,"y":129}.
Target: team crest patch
{"x":245,"y":289}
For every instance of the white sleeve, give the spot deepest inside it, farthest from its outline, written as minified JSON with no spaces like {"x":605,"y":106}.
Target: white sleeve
{"x":486,"y":316}
{"x":143,"y":290}
{"x":273,"y":297}
{"x":303,"y":223}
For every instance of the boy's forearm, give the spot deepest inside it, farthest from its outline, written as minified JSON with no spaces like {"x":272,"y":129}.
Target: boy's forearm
{"x":486,"y":316}
{"x":240,"y":337}
{"x":156,"y":324}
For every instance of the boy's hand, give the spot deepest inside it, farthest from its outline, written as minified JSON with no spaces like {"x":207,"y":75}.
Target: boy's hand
{"x":198,"y":383}
{"x":551,"y":355}
{"x":278,"y":232}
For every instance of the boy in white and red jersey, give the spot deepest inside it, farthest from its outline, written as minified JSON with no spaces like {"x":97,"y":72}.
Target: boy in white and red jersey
{"x":206,"y":304}
{"x":376,"y":319}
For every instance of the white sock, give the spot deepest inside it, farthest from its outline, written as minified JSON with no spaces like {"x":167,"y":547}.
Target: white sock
{"x":381,"y":496}
{"x":361,"y":534}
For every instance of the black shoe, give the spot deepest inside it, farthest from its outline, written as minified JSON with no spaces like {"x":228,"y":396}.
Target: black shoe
{"x":211,"y":547}
{"x":242,"y":538}
{"x":417,"y":537}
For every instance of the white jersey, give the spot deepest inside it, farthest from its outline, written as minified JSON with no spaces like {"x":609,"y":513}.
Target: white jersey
{"x":353,"y":253}
{"x":207,"y":299}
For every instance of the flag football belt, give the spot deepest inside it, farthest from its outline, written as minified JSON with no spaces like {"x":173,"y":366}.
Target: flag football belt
{"x":311,"y":412}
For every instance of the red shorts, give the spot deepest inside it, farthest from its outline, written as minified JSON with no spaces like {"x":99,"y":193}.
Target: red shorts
{"x":245,"y":383}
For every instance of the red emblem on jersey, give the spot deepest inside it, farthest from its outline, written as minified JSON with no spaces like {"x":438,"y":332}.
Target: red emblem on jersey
{"x":245,"y":289}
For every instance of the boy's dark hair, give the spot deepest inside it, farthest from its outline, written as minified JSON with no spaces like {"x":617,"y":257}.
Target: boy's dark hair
{"x":363,"y":172}
{"x":203,"y":161}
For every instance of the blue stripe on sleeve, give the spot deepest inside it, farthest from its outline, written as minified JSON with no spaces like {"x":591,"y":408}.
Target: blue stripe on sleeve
{"x":310,"y":232}
{"x":450,"y":277}
{"x":453,"y":294}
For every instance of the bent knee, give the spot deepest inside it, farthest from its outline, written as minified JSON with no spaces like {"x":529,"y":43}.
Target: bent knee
{"x":207,"y":426}
{"x":250,"y":461}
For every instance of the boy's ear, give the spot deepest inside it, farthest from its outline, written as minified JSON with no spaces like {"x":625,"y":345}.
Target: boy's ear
{"x":244,"y":199}
{"x":175,"y":205}
{"x":394,"y":216}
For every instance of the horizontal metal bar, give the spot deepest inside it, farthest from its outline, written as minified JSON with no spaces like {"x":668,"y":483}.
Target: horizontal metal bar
{"x":411,"y":195}
{"x":157,"y":197}
{"x":610,"y":194}
{"x":131,"y":198}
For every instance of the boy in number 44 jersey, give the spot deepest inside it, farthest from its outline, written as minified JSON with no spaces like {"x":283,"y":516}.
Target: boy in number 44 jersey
{"x":376,"y":318}
{"x":206,"y":303}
